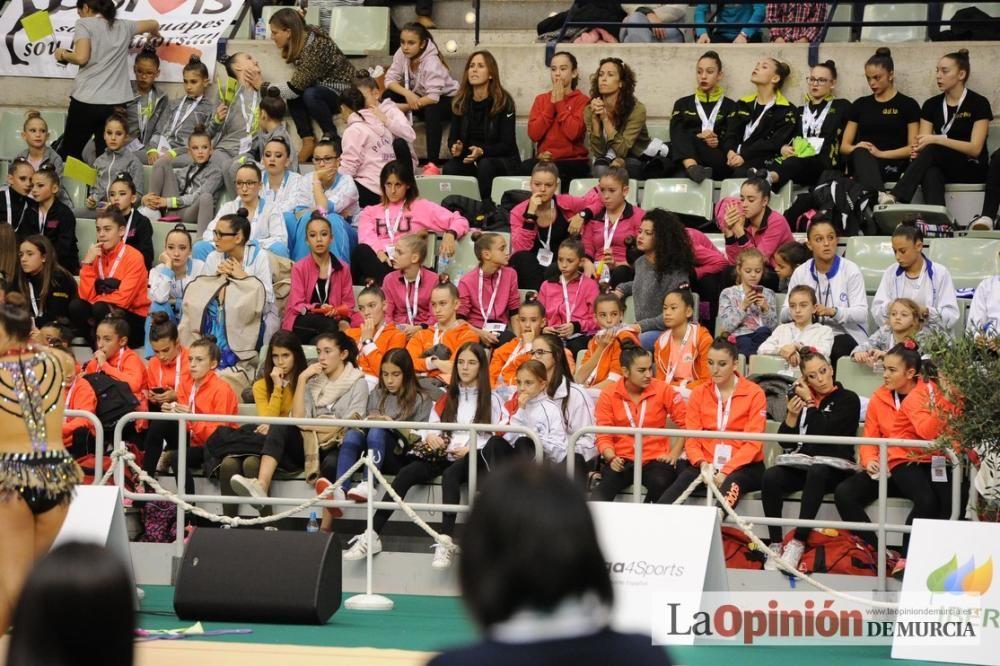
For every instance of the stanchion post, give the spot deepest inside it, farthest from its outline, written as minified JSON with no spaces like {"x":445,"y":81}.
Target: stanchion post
{"x":369,"y":601}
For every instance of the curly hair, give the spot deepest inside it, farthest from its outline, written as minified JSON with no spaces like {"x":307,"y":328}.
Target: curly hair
{"x":671,"y":244}
{"x":626,"y":96}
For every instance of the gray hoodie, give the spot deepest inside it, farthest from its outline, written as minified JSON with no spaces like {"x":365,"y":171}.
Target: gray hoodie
{"x":230,"y":131}
{"x":112,"y":163}
{"x":177,"y":123}
{"x":193,"y":180}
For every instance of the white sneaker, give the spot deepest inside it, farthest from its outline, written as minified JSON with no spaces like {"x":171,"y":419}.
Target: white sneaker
{"x":981,"y":223}
{"x":886,"y":198}
{"x":793,"y":553}
{"x":359,"y":493}
{"x":245,"y":487}
{"x":772,"y":563}
{"x":443,"y":555}
{"x":359,"y":546}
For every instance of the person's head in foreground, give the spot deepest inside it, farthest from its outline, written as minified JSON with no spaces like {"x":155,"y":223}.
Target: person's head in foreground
{"x":534,"y":578}
{"x":77,"y":608}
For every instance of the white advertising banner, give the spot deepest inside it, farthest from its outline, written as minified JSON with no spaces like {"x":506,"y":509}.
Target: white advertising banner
{"x":658,"y":555}
{"x":949,"y":608}
{"x":188,"y":27}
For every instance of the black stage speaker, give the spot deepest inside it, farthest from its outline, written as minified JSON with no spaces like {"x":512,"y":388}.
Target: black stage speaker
{"x":259,"y":576}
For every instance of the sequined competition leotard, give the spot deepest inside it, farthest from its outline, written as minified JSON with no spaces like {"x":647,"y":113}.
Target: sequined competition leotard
{"x":31,"y":388}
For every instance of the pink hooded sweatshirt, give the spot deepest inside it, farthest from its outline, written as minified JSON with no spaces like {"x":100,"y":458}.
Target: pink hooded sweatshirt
{"x":432,"y":78}
{"x":338,"y":291}
{"x":380,"y":226}
{"x":773,"y":233}
{"x":578,"y":299}
{"x":367,"y":143}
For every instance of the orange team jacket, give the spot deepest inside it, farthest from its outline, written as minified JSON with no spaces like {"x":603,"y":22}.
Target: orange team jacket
{"x":125,"y":366}
{"x":453,"y":338}
{"x":213,"y":396}
{"x":747,"y":414}
{"x":914,"y":419}
{"x":370,"y":357}
{"x":661,"y":402}
{"x":510,"y":356}
{"x":694,"y":368}
{"x":132,"y":294}
{"x":82,"y":398}
{"x":609,"y":365}
{"x":159,"y":375}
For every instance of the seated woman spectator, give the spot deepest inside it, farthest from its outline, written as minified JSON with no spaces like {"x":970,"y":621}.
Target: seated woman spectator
{"x":748,"y":310}
{"x":617,"y":135}
{"x":376,"y":335}
{"x":910,"y":469}
{"x":983,"y":318}
{"x":468,"y":399}
{"x":401,"y":212}
{"x":796,"y":12}
{"x":839,"y":287}
{"x":638,"y":400}
{"x":320,"y":74}
{"x":325,"y":188}
{"x":376,"y":134}
{"x":569,"y":299}
{"x":408,"y":289}
{"x":419,"y":82}
{"x":78,"y":432}
{"x":482,"y":139}
{"x":321,"y":298}
{"x":817,"y":148}
{"x":639,"y":16}
{"x":763,"y":121}
{"x":919,"y":279}
{"x":881,"y":127}
{"x":601,"y":365}
{"x":750,"y":222}
{"x":113,"y":280}
{"x":48,"y":287}
{"x":699,"y":122}
{"x":802,"y":331}
{"x":605,"y":219}
{"x":169,"y":367}
{"x":332,"y":387}
{"x":434,"y":349}
{"x":191,"y":196}
{"x":556,"y":126}
{"x":726,"y":404}
{"x":267,"y":225}
{"x":951,"y":144}
{"x":904,"y":322}
{"x":727,"y":22}
{"x":171,"y":276}
{"x":488,"y":297}
{"x":681,"y":351}
{"x":138,"y":228}
{"x":538,"y":226}
{"x":207,"y":393}
{"x":56,"y":220}
{"x":819,"y":406}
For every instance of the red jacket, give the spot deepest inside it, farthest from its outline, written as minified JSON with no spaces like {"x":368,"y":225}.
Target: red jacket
{"x":80,"y":397}
{"x":559,"y":128}
{"x":915,"y":419}
{"x":133,"y":292}
{"x":166,"y":376}
{"x":213,"y":396}
{"x":661,"y":402}
{"x":748,"y":414}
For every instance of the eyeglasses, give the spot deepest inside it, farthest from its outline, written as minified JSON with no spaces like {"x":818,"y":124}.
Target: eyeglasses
{"x":540,"y":352}
{"x":222,"y":234}
{"x":247,"y":183}
{"x":325,"y":160}
{"x":818,"y":82}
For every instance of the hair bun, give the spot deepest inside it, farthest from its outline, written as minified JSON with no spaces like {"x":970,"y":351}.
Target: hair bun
{"x":157,"y":318}
{"x":242,"y":212}
{"x":123,"y":175}
{"x":194,"y":60}
{"x":964,"y":52}
{"x":444,"y":278}
{"x":731,"y":339}
{"x":208,"y":337}
{"x":31,"y":114}
{"x":531,"y":297}
{"x":883,"y":51}
{"x":910,"y":343}
{"x":829,"y":64}
{"x":149,"y":48}
{"x":15,"y":299}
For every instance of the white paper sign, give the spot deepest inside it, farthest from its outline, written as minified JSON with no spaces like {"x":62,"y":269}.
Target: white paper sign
{"x":658,"y":554}
{"x":188,"y":27}
{"x":950,"y":602}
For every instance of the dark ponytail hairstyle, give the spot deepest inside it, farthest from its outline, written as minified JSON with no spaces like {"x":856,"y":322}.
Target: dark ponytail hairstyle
{"x":148,"y":52}
{"x":15,"y":318}
{"x":727,"y":344}
{"x":910,"y":231}
{"x":961,"y":60}
{"x":162,"y":328}
{"x":125,"y":177}
{"x":209,"y":344}
{"x":631,"y":352}
{"x":909,"y":352}
{"x":882,"y":58}
{"x":105,"y":8}
{"x":712,"y":55}
{"x":830,"y":65}
{"x":239,"y":222}
{"x":194,"y":64}
{"x":783,"y":71}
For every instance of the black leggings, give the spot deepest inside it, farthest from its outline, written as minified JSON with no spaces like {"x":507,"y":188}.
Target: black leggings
{"x":800,"y":170}
{"x":434,"y":117}
{"x":165,"y":432}
{"x":307,"y":326}
{"x":873,"y":172}
{"x":656,"y":477}
{"x":991,"y":202}
{"x":485,"y":170}
{"x":909,"y":480}
{"x":530,"y":273}
{"x":843,"y":345}
{"x":284,"y":444}
{"x":89,"y":315}
{"x":366,"y":264}
{"x":686,"y":146}
{"x":744,"y":480}
{"x":814,"y":483}
{"x":85,"y":122}
{"x":933,"y":167}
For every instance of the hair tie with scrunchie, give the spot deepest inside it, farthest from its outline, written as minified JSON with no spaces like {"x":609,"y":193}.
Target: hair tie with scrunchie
{"x":731,"y":339}
{"x":910,"y":344}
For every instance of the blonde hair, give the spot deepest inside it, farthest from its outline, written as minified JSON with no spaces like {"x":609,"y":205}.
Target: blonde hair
{"x":746,"y":255}
{"x":914,"y":308}
{"x":415,"y":243}
{"x":33,"y":114}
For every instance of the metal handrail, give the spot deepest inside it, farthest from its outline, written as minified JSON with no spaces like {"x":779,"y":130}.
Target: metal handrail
{"x":98,"y":440}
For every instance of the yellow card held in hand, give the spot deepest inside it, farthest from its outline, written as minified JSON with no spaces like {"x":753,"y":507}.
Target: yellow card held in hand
{"x":227,"y":90}
{"x":80,"y":171}
{"x":38,"y":26}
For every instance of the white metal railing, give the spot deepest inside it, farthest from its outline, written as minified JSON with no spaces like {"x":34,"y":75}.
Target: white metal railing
{"x":98,"y":440}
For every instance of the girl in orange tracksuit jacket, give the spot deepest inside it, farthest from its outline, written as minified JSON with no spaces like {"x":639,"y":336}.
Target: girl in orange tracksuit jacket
{"x":376,"y":336}
{"x":113,"y":274}
{"x":902,"y":408}
{"x":115,"y":359}
{"x":740,"y":469}
{"x":78,"y":432}
{"x":169,"y":367}
{"x":601,"y":365}
{"x":448,"y":331}
{"x":656,"y":402}
{"x":205,"y":394}
{"x":682,"y":350}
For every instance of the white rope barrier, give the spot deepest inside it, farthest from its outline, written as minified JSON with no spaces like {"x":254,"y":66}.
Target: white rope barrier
{"x":410,"y":513}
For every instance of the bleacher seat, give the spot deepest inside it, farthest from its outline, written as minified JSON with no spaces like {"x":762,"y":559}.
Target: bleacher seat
{"x":360,"y":30}
{"x":464,"y":259}
{"x":888,"y":216}
{"x":77,"y":192}
{"x":56,"y":120}
{"x":11,"y":142}
{"x":779,"y":201}
{"x":579,"y":187}
{"x":968,"y":259}
{"x":719,"y":241}
{"x":86,"y":235}
{"x":767,"y":365}
{"x":659,"y":131}
{"x":949,"y":9}
{"x":525,"y":146}
{"x":147,"y":177}
{"x":503,"y":184}
{"x":872,"y":254}
{"x":312,"y":17}
{"x":436,"y":188}
{"x":890,"y":12}
{"x":629,"y":317}
{"x":680,"y":195}
{"x":858,"y":377}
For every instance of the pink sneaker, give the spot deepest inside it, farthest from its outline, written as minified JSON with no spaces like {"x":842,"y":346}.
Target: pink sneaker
{"x":431,"y":169}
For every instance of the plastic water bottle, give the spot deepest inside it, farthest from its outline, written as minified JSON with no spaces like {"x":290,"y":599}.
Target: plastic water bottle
{"x":313,"y":524}
{"x":443,"y":264}
{"x":259,"y":29}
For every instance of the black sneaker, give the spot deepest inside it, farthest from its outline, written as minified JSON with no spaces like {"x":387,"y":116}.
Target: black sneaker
{"x":698,"y":173}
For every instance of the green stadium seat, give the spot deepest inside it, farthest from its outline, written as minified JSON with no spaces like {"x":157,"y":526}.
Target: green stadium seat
{"x":525,"y":146}
{"x":77,"y":192}
{"x":56,"y":120}
{"x":888,"y":216}
{"x":767,"y":365}
{"x":11,"y":142}
{"x":872,"y":254}
{"x":780,"y":201}
{"x":86,"y":235}
{"x":680,"y":195}
{"x":503,"y":184}
{"x":147,"y":177}
{"x":360,"y":30}
{"x":898,"y":12}
{"x":430,"y":261}
{"x":579,"y":187}
{"x":629,"y":317}
{"x":436,"y":188}
{"x":969,"y":260}
{"x":464,"y":259}
{"x":719,"y":241}
{"x":857,"y":377}
{"x":659,"y":131}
